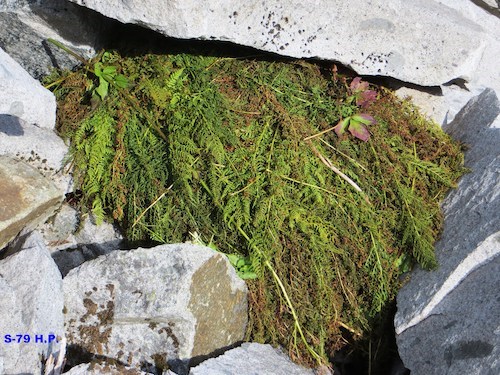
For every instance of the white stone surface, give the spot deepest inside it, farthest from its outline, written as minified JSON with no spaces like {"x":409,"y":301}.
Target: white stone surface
{"x":419,"y":41}
{"x":39,"y":147}
{"x":31,"y":303}
{"x":443,"y":108}
{"x":250,"y":359}
{"x":103,"y":369}
{"x":24,"y":97}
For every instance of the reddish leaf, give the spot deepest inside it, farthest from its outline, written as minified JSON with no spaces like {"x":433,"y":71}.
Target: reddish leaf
{"x":341,"y":126}
{"x":358,"y":130}
{"x":357,"y":85}
{"x":365,"y":98}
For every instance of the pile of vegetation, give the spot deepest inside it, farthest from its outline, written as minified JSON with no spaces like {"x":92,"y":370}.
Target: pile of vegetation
{"x":321,"y":189}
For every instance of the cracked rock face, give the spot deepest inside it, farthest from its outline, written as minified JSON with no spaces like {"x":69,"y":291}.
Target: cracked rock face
{"x":157,"y":306}
{"x":422,"y":41}
{"x":447,"y":320}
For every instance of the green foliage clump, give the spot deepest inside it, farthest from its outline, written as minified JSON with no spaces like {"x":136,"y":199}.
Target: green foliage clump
{"x":226,"y":148}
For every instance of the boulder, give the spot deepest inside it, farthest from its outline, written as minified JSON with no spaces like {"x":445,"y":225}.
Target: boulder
{"x":157,"y":306}
{"x":27,"y":198}
{"x":23,"y":97}
{"x":447,"y":320}
{"x":421,"y":41}
{"x":31,"y":305}
{"x":27,"y":24}
{"x":250,"y":359}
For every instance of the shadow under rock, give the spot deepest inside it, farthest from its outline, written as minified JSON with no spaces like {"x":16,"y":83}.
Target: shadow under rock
{"x":11,"y":125}
{"x":67,"y":259}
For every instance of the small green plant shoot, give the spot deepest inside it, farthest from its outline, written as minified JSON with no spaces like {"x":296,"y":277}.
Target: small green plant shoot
{"x":108,"y":75}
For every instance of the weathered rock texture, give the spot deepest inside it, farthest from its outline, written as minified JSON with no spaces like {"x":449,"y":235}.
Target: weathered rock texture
{"x":443,"y":103}
{"x":24,"y":97}
{"x":27,"y":24}
{"x":27,"y":121}
{"x":447,"y":320}
{"x":31,"y":303}
{"x":250,"y":359}
{"x":421,"y":41}
{"x":40,"y":147}
{"x":26,"y":198}
{"x":157,"y":306}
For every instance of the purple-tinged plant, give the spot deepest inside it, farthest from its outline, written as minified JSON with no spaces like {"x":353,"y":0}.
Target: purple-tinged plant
{"x":363,"y":96}
{"x":356,"y":124}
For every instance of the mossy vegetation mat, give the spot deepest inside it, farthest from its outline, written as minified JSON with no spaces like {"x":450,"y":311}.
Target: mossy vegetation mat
{"x":241,"y":155}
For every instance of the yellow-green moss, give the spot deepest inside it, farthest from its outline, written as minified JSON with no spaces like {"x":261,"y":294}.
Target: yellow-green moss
{"x":235,"y":169}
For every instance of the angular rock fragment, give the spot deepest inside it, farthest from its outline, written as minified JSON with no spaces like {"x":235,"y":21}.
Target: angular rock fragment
{"x":158,"y":306}
{"x":27,"y":24}
{"x":40,"y":147}
{"x":249,"y":359}
{"x":22,"y":96}
{"x":26,"y":198}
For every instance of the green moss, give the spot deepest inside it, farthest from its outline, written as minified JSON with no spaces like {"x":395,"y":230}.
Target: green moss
{"x":233,"y":167}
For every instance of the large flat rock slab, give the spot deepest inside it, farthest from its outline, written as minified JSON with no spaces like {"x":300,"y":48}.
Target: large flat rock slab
{"x":447,"y":320}
{"x":26,"y":198}
{"x":421,"y":41}
{"x":155,"y":306}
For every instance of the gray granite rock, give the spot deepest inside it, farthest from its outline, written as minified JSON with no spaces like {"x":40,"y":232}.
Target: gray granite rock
{"x":23,"y":97}
{"x":58,"y":232}
{"x":422,"y":41}
{"x":27,"y":198}
{"x":250,"y":359}
{"x":31,"y":305}
{"x":156,"y":306}
{"x":447,"y":320}
{"x":27,"y":24}
{"x":443,"y":103}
